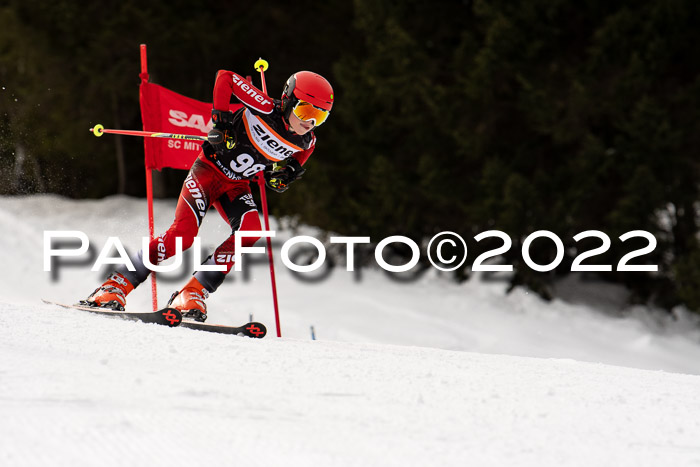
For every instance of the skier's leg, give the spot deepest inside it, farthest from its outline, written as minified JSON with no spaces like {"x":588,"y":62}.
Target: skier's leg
{"x":242,"y":214}
{"x":199,"y":188}
{"x":239,"y":209}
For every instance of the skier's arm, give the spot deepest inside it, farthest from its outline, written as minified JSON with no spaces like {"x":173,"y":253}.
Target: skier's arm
{"x":229,"y":83}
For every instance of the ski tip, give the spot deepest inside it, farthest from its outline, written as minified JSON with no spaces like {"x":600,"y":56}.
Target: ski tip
{"x":255,"y":330}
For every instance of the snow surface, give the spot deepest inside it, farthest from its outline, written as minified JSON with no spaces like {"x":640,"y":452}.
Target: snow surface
{"x":425,"y":373}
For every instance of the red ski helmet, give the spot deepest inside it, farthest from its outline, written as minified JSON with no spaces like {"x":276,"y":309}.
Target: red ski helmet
{"x":306,"y":87}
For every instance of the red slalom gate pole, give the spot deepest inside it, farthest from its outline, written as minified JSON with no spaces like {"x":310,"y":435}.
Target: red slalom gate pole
{"x":261,"y":65}
{"x":263,"y":201}
{"x":149,"y":182}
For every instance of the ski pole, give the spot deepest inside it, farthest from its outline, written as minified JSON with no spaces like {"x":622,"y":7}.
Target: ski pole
{"x":261,"y":66}
{"x":99,"y":130}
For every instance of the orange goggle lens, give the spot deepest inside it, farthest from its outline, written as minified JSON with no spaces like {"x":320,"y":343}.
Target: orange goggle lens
{"x":308,"y":113}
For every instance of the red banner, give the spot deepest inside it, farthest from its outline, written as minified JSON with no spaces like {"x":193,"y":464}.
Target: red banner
{"x":166,"y":111}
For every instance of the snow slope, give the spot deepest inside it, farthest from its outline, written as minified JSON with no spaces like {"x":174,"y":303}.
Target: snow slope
{"x":426,"y":373}
{"x":80,"y":390}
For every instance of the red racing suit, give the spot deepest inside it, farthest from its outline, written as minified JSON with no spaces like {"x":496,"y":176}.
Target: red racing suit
{"x":221,"y":178}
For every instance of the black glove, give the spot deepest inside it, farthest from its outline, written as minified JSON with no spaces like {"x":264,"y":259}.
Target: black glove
{"x":278,"y":179}
{"x":220,"y":137}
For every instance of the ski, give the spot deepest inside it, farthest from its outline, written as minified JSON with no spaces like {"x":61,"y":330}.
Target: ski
{"x":173,"y":318}
{"x":253,"y":329}
{"x":167,"y":316}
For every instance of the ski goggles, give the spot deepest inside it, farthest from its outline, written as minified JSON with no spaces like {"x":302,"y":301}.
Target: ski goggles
{"x":308,"y":113}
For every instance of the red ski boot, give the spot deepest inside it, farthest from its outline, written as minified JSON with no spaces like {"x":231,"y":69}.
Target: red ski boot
{"x":190,"y":300}
{"x":112,"y":294}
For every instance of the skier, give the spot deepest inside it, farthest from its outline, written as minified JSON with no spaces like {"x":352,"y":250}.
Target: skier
{"x":274,"y":136}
